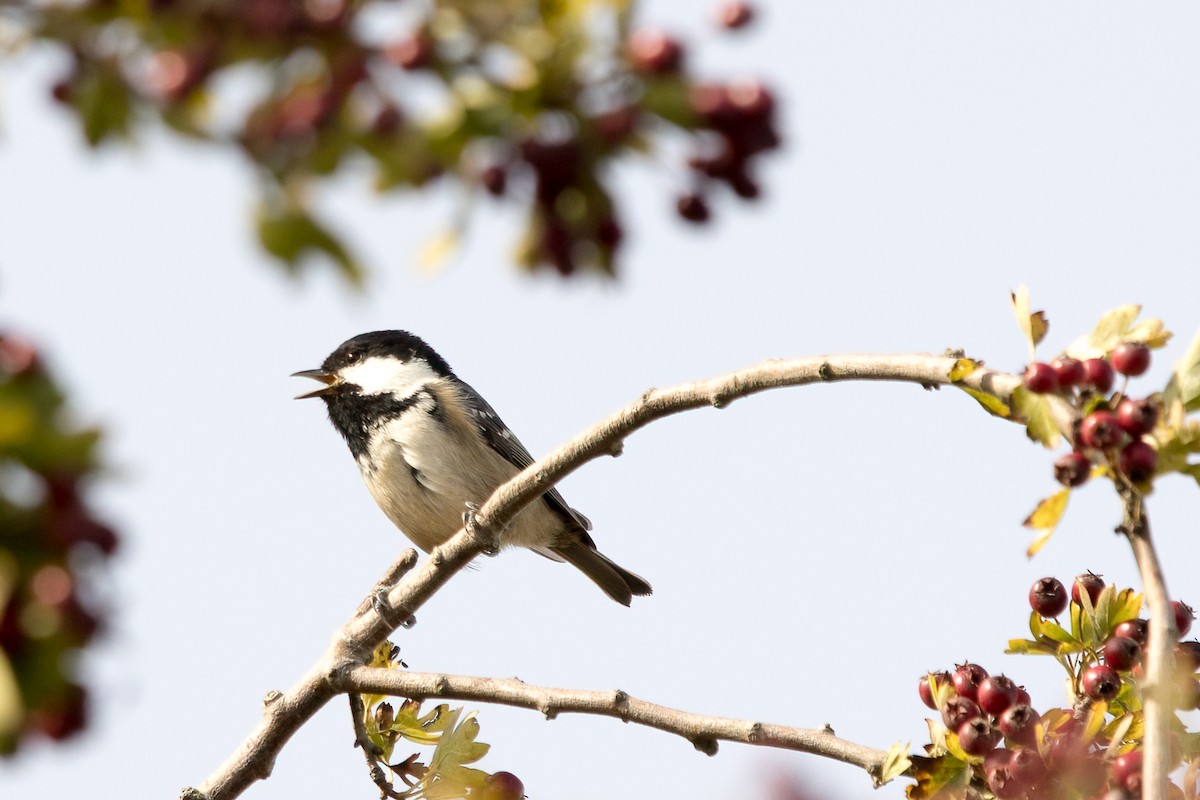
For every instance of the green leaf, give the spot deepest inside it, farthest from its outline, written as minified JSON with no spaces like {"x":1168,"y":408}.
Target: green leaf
{"x":1045,"y":518}
{"x":291,"y":234}
{"x":1056,"y":633}
{"x":1035,"y":410}
{"x":895,"y":763}
{"x":1033,"y":323}
{"x":1027,"y":647}
{"x":1126,"y":605}
{"x":1184,"y":385}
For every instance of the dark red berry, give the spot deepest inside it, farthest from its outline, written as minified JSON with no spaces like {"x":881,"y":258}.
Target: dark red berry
{"x":502,"y":786}
{"x":976,"y":736}
{"x":1131,"y":358}
{"x":1019,"y":724}
{"x":653,"y":52}
{"x":1127,"y":766}
{"x":494,"y":179}
{"x":1100,"y":430}
{"x":996,"y":773}
{"x":1138,"y":460}
{"x":1027,"y":766}
{"x":1098,"y":374}
{"x":1187,"y":655}
{"x":1041,"y":378}
{"x":967,"y":678}
{"x":1090,"y":582}
{"x":926,"y":690}
{"x":1069,"y":371}
{"x":1135,"y":629}
{"x":1023,"y":698}
{"x":1183,"y":617}
{"x":693,"y":207}
{"x":996,"y":693}
{"x":1101,"y":682}
{"x":734,"y":14}
{"x":958,"y":710}
{"x":1048,"y":597}
{"x":997,"y":759}
{"x":1137,"y":416}
{"x":1121,"y":653}
{"x":1072,"y":470}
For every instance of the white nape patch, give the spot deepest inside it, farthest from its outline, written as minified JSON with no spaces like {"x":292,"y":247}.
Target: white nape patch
{"x":389,"y":375}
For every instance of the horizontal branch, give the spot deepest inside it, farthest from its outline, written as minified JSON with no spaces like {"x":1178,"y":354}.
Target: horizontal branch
{"x":387,"y":609}
{"x":702,"y":731}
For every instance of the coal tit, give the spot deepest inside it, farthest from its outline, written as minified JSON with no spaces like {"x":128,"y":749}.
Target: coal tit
{"x":427,"y":445}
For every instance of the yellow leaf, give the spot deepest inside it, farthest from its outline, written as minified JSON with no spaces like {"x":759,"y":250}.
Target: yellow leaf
{"x":1033,"y":323}
{"x":1184,"y":385}
{"x":1117,"y":326}
{"x":895,"y":763}
{"x":437,"y":250}
{"x":12,"y":710}
{"x":992,"y":404}
{"x":1045,"y":519}
{"x":962,"y":368}
{"x":1150,"y":332}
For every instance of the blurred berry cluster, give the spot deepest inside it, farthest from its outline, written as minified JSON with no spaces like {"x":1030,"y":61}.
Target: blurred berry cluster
{"x":51,"y":547}
{"x":528,"y":99}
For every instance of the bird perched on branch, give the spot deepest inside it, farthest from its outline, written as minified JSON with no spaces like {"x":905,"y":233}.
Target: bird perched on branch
{"x":428,"y":445}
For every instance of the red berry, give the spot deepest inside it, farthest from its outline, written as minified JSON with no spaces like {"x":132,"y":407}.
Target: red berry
{"x":958,"y":710}
{"x":1138,"y":460}
{"x":1027,"y":766}
{"x":693,"y":207}
{"x":976,"y":736}
{"x":1127,"y":766}
{"x":1072,"y":470}
{"x":1023,"y":698}
{"x":1187,"y":655}
{"x":1121,"y":653}
{"x":494,"y":179}
{"x":1183,"y":617}
{"x":1048,"y":597}
{"x":502,"y":786}
{"x":734,"y":14}
{"x":967,"y":678}
{"x":1137,"y":416}
{"x":1069,"y":371}
{"x":653,"y":52}
{"x":1092,"y":583}
{"x":1132,"y":629}
{"x":1019,"y":724}
{"x":1098,"y":374}
{"x":1131,"y":358}
{"x":1101,"y":682}
{"x":1041,"y":378}
{"x":996,"y":773}
{"x":996,"y":693}
{"x":1100,"y":430}
{"x":926,"y":690}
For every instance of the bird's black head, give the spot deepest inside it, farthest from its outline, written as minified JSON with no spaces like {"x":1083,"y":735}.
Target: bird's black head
{"x":399,"y":345}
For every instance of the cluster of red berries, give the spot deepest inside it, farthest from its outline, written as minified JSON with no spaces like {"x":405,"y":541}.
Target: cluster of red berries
{"x":1113,"y":428}
{"x":49,"y":534}
{"x":1025,"y":754}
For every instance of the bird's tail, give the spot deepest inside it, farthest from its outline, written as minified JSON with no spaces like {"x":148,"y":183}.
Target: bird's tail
{"x":617,"y":582}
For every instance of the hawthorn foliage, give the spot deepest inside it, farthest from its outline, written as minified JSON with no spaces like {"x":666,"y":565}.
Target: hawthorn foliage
{"x":532,"y":100}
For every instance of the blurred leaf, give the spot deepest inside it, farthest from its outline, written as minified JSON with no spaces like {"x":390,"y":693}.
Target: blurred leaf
{"x":290,"y":234}
{"x":992,"y":404}
{"x":942,"y":777}
{"x":1045,"y":519}
{"x":1117,"y":326}
{"x":1184,"y":385}
{"x":438,"y":249}
{"x":1035,"y":410}
{"x":1033,"y":323}
{"x":104,"y":107}
{"x":12,"y":710}
{"x":895,"y":763}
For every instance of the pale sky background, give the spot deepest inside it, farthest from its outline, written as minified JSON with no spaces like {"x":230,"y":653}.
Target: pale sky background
{"x":813,"y":551}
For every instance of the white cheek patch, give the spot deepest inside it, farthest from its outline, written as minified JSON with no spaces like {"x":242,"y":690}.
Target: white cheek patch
{"x":388,"y":375}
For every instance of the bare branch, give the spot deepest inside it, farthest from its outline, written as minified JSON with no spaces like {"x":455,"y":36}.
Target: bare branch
{"x":384,"y":611}
{"x":702,"y":731}
{"x":1157,"y":697}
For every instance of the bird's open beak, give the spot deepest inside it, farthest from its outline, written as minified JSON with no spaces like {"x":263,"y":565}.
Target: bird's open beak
{"x":330,"y":381}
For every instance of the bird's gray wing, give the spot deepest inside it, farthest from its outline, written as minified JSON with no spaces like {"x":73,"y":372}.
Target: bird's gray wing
{"x":501,"y":439}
